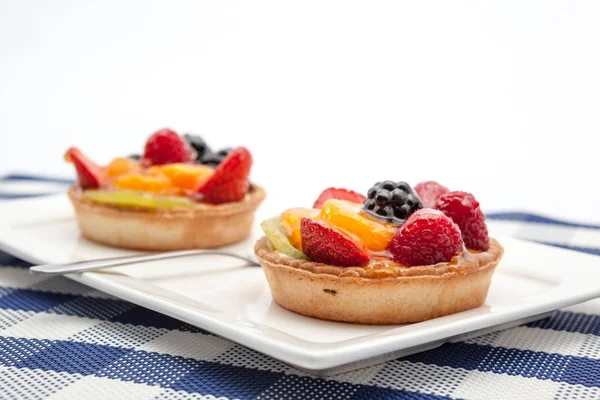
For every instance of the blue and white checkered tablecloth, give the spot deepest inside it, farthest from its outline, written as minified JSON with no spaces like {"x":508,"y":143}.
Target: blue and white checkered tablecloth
{"x":63,"y":340}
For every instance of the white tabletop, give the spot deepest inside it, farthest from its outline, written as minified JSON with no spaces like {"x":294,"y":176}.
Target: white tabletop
{"x":499,"y":98}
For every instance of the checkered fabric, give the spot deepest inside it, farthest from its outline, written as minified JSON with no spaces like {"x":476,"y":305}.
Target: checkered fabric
{"x":63,"y":340}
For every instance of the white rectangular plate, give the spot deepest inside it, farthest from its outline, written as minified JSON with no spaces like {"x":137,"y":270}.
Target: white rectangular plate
{"x":227,"y":299}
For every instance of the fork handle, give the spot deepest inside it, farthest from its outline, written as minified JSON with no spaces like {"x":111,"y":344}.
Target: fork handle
{"x":91,"y":265}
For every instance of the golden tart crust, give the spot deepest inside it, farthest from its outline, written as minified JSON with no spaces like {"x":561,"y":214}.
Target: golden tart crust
{"x":204,"y":226}
{"x":382,"y":292}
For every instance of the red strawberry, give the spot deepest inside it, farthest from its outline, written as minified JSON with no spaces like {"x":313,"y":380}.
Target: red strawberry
{"x":89,"y":174}
{"x":464,"y":209}
{"x":430,"y":192}
{"x":325,"y":245}
{"x":230,"y":181}
{"x":340,"y":194}
{"x":427,"y":237}
{"x":166,"y":147}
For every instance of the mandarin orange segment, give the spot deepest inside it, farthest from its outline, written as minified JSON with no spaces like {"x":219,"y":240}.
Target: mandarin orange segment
{"x":185,"y":176}
{"x":290,"y":222}
{"x":348,"y":218}
{"x":122,"y":166}
{"x":154,"y":183}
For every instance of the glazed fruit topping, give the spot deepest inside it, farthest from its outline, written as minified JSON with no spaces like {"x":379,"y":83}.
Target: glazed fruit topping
{"x":391,"y":223}
{"x":279,"y":240}
{"x":230,"y":180}
{"x":167,"y":147}
{"x":167,"y":168}
{"x":325,"y":245}
{"x":347,"y":217}
{"x":89,"y":175}
{"x":464,"y":210}
{"x":430,"y":192}
{"x":391,"y":201}
{"x":427,"y":237}
{"x":340,"y":194}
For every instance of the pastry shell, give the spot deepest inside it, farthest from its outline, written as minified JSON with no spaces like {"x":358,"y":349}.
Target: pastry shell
{"x":205,"y":226}
{"x":398,"y":295}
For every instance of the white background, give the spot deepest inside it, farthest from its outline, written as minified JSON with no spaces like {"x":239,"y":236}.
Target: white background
{"x":498,"y":98}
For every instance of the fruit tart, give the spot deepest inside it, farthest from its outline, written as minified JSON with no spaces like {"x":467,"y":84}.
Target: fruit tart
{"x":178,"y":195}
{"x":398,"y":255}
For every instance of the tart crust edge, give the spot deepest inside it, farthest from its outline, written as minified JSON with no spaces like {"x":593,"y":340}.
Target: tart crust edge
{"x":389,"y":300}
{"x":205,"y":226}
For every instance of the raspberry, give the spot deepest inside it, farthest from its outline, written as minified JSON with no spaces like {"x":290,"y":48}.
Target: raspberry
{"x":427,"y":237}
{"x":464,"y":209}
{"x":166,"y":147}
{"x":430,"y":192}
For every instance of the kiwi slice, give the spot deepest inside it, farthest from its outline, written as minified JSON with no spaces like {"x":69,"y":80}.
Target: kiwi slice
{"x":279,"y":240}
{"x":130,"y":199}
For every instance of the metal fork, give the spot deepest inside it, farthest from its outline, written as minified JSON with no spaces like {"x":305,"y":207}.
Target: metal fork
{"x":91,"y":265}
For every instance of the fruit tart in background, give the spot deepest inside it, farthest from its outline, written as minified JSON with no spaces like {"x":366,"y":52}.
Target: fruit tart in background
{"x":177,"y":195}
{"x":398,"y":255}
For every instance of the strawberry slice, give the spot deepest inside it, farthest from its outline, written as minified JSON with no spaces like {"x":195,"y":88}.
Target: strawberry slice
{"x":230,"y":180}
{"x":89,"y":174}
{"x":340,"y":194}
{"x":326,"y":245}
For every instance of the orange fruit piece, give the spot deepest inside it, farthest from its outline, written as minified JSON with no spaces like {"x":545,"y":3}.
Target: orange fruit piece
{"x":348,"y":218}
{"x":290,"y":222}
{"x":122,"y":166}
{"x":154,"y":183}
{"x":185,"y":176}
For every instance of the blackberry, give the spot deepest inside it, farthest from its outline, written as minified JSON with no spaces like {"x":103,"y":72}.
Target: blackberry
{"x":198,"y":144}
{"x":392,"y":201}
{"x":135,"y":157}
{"x":224,"y":152}
{"x":213,"y":159}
